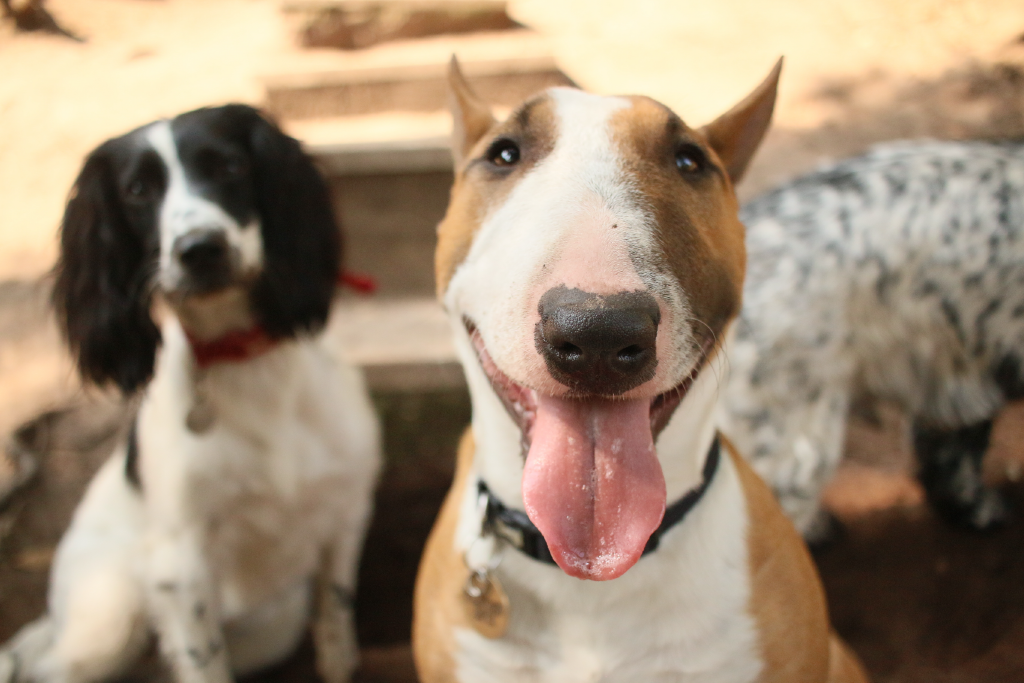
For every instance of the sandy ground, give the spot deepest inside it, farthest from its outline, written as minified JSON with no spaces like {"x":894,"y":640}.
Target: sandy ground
{"x":700,"y":57}
{"x":843,"y":59}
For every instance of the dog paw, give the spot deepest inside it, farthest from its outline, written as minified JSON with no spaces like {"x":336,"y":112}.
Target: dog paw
{"x":952,"y":475}
{"x":963,"y":498}
{"x":336,"y":653}
{"x":977,"y":507}
{"x":334,"y":666}
{"x":8,"y":667}
{"x":989,"y":511}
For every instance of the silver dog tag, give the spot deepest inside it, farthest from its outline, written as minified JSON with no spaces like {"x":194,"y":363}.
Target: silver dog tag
{"x":201,"y":417}
{"x":485,"y":604}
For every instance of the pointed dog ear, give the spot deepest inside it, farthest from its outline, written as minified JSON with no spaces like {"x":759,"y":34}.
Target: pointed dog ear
{"x":471,"y":117}
{"x":102,"y":290}
{"x":736,"y":134}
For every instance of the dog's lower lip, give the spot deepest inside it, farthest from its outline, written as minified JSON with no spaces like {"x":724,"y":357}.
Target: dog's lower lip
{"x":521,"y":402}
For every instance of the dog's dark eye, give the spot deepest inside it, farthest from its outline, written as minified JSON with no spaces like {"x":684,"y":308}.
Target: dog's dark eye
{"x":503,"y":153}
{"x":218,"y":166}
{"x":233,"y":167}
{"x":139,"y":190}
{"x":690,"y":159}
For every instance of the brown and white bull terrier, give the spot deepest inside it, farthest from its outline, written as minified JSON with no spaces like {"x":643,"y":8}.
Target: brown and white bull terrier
{"x":599,"y":528}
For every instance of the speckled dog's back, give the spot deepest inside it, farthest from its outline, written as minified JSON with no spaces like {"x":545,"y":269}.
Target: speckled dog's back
{"x":899,"y":274}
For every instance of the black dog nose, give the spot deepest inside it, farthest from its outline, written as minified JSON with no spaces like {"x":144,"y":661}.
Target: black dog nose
{"x":202,"y":251}
{"x":598,"y":344}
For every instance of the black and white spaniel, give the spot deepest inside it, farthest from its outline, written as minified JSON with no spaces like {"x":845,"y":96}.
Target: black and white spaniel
{"x":233,"y":515}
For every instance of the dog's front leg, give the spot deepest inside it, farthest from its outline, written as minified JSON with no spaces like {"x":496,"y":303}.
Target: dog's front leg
{"x":184,"y":609}
{"x":334,"y":626}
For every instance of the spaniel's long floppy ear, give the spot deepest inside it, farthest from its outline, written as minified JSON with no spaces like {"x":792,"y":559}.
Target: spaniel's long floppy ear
{"x":301,"y":239}
{"x":102,"y":288}
{"x":471,"y":117}
{"x":736,"y":134}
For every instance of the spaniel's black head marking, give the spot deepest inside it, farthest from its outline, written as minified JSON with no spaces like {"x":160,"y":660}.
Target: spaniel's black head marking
{"x":110,"y":251}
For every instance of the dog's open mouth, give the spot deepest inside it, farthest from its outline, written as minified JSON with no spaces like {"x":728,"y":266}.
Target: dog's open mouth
{"x":592,"y":483}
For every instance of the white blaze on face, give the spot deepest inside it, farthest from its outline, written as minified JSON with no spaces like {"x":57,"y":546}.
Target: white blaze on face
{"x":575,"y":219}
{"x":183,"y":210}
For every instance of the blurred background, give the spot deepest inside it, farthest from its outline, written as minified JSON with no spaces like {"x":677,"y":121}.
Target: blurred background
{"x":361,"y":83}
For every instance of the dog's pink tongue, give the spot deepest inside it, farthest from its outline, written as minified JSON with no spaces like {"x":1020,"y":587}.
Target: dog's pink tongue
{"x":593,"y":484}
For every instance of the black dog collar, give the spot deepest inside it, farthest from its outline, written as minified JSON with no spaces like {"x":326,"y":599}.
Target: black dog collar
{"x":516,"y":529}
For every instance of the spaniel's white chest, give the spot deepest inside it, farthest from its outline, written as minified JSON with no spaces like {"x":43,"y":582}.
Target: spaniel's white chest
{"x":289,"y":460}
{"x":262,"y":544}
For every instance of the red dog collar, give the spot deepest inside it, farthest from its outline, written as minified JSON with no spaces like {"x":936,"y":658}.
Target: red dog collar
{"x":233,"y":347}
{"x":242,"y":345}
{"x":364,"y":284}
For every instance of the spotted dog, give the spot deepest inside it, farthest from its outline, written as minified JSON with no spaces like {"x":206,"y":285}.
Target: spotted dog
{"x":899,"y":275}
{"x":599,"y":528}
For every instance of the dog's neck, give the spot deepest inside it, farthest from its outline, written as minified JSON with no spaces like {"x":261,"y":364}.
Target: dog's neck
{"x":228,"y":381}
{"x":210,"y":317}
{"x":221,"y":328}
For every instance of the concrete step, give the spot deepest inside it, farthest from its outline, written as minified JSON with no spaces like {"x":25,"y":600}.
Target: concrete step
{"x":402,"y":345}
{"x":390,"y":175}
{"x":377,"y":144}
{"x":390,"y":224}
{"x":503,"y":66}
{"x":357,"y":24}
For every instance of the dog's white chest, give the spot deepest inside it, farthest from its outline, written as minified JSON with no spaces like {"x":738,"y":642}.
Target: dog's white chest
{"x":680,"y":615}
{"x":265,"y":543}
{"x":263,"y":483}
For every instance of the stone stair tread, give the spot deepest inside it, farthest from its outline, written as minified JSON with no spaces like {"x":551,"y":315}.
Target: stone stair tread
{"x":409,"y":75}
{"x":358,"y":5}
{"x":370,"y":144}
{"x":376,"y":331}
{"x":377,"y":143}
{"x":394,"y":127}
{"x":401,"y":344}
{"x":483,"y":53}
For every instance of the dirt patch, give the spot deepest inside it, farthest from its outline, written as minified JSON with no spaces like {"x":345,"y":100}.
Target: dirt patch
{"x":69,"y":446}
{"x":970,"y":101}
{"x":921,"y":602}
